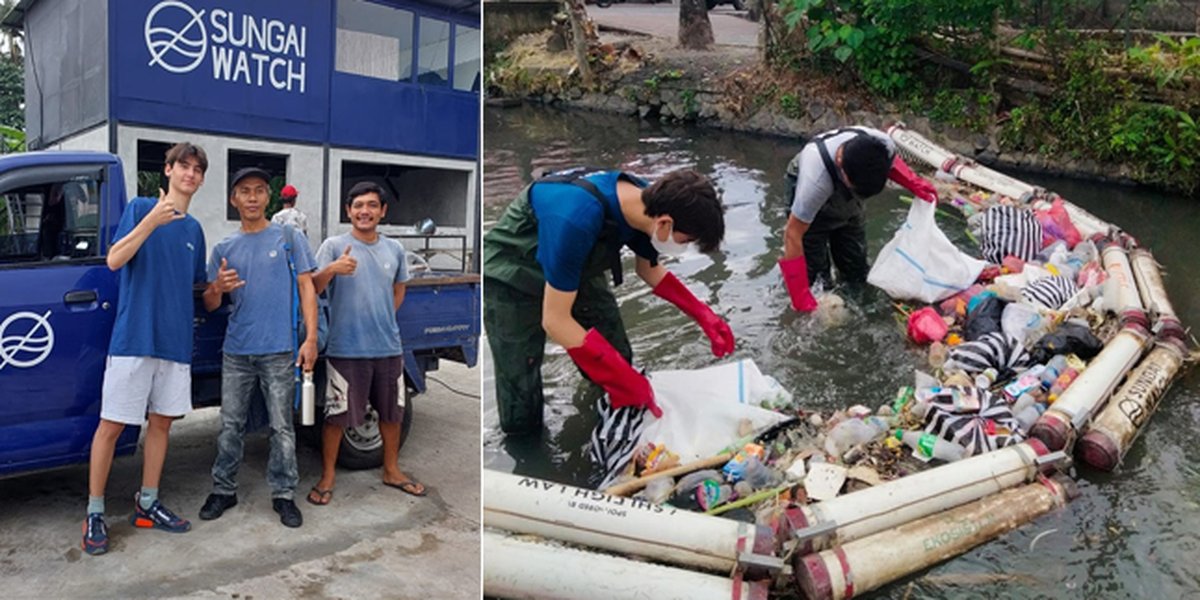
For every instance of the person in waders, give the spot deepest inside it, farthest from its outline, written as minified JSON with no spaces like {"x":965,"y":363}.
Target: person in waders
{"x":829,"y":179}
{"x":547,"y":265}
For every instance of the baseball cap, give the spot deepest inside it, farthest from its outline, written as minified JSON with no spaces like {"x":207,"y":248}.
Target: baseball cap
{"x":248,"y":172}
{"x":288,"y":191}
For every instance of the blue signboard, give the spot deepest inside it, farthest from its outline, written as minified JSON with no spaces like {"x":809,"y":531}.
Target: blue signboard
{"x":258,"y":69}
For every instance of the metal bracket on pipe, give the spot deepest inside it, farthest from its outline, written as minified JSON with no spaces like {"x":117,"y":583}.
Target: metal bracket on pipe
{"x":1051,"y":458}
{"x":812,"y":531}
{"x":758,"y":563}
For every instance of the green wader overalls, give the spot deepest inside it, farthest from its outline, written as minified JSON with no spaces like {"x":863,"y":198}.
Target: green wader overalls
{"x":513,"y":289}
{"x":839,"y":230}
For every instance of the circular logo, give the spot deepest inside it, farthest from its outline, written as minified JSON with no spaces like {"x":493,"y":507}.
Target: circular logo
{"x":175,"y":36}
{"x":26,"y":339}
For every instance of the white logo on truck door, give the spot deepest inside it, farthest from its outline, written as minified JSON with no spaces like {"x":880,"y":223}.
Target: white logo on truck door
{"x":26,"y":339}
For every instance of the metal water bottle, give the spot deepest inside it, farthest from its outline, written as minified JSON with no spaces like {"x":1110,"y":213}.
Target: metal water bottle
{"x":308,"y":400}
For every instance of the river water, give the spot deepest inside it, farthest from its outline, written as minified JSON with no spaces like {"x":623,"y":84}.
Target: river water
{"x":1132,"y":534}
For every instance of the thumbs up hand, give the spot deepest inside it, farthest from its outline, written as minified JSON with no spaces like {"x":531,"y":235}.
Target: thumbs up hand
{"x":345,"y":264}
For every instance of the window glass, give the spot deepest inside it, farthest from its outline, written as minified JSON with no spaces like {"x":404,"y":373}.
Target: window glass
{"x":466,"y":58}
{"x":374,"y":40}
{"x":433,"y":56}
{"x":51,"y":222}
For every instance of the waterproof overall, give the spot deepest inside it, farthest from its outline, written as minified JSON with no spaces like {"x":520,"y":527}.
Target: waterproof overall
{"x":513,"y":289}
{"x":839,"y":229}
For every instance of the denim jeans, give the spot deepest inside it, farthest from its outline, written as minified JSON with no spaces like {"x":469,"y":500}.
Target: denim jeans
{"x":273,"y":373}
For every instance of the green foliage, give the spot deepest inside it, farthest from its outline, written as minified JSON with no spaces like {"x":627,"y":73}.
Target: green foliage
{"x":877,"y":38}
{"x":689,"y":102}
{"x":661,"y":76}
{"x":11,"y":140}
{"x":791,"y":106}
{"x":12,"y":94}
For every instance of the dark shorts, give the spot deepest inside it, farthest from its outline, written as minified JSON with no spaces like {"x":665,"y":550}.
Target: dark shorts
{"x":356,"y":382}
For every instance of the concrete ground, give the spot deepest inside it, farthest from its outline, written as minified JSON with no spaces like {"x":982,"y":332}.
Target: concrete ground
{"x":662,"y":20}
{"x":370,"y":542}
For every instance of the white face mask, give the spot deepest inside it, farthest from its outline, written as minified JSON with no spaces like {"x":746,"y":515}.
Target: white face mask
{"x":669,"y":247}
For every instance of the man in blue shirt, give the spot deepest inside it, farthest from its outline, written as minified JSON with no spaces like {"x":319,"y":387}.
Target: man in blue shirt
{"x":159,"y":251}
{"x":365,"y":276}
{"x":545,"y":265}
{"x":264,"y":268}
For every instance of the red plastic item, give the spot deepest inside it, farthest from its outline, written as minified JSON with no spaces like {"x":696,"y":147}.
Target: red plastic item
{"x":926,"y":326}
{"x":1013,"y":264}
{"x":672,"y":290}
{"x":605,"y":366}
{"x":1056,"y":225}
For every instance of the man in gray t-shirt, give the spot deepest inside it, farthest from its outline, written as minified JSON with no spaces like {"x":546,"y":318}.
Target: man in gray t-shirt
{"x":831,"y":177}
{"x":364,"y":274}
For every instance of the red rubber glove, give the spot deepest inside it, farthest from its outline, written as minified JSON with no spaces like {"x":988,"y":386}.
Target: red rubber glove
{"x":795,"y":277}
{"x":605,"y":366}
{"x":912,"y":182}
{"x":672,"y":290}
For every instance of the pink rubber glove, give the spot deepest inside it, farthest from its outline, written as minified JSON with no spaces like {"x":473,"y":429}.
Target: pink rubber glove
{"x":795,"y":277}
{"x":672,"y":290}
{"x":912,"y":182}
{"x":605,"y":366}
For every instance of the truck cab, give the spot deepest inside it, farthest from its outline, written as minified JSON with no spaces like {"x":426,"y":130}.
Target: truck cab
{"x":58,"y":298}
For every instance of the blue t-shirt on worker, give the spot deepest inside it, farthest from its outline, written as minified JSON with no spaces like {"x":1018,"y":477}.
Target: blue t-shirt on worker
{"x":570,"y":220}
{"x":261,"y":320}
{"x":362,"y":317}
{"x":156,"y":306}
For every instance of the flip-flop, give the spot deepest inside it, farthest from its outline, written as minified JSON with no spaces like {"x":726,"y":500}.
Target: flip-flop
{"x":408,"y":486}
{"x":323,"y":496}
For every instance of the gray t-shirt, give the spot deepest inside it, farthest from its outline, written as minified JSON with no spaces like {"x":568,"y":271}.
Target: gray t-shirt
{"x":362,"y":322}
{"x":814,"y":186}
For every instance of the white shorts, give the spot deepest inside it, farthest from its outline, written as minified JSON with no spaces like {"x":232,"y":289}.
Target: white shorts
{"x":135,"y":385}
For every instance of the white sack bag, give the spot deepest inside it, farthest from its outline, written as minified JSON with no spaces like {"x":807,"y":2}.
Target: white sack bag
{"x":703,"y":407}
{"x":921,"y":263}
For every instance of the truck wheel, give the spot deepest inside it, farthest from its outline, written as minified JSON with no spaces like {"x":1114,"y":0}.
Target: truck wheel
{"x":738,"y":5}
{"x":362,"y":447}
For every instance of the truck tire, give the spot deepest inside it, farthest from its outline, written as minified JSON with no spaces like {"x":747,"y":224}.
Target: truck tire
{"x":362,"y":447}
{"x":738,"y":5}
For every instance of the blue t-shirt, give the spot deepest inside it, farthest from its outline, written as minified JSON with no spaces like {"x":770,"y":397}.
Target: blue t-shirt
{"x":261,"y":321}
{"x":570,"y":221}
{"x":362,"y":322}
{"x":156,"y":307}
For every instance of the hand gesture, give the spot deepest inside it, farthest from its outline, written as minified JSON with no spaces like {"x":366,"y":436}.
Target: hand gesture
{"x":227,"y":279}
{"x":344,"y":265}
{"x":164,"y":211}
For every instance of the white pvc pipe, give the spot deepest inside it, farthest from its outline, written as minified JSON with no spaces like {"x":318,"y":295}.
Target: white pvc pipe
{"x":865,"y":512}
{"x":1075,"y":407}
{"x":874,"y":561}
{"x":516,"y":568}
{"x":1087,"y":223}
{"x":1147,"y":272}
{"x":989,"y":179}
{"x":618,"y":524}
{"x":1120,"y":290}
{"x":917,"y":146}
{"x":1114,"y":430}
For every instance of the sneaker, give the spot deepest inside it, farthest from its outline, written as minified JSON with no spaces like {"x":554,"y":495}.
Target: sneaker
{"x":289,"y":515}
{"x":157,"y":517}
{"x":95,"y":534}
{"x":216,"y":505}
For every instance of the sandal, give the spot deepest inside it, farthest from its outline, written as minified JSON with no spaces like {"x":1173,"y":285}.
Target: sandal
{"x":322,"y":496}
{"x":408,"y":486}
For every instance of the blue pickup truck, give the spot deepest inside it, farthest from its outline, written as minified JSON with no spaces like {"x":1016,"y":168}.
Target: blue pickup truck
{"x":58,"y":214}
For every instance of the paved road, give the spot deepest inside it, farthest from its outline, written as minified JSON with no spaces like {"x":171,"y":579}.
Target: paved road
{"x":371,"y":542}
{"x":662,"y":20}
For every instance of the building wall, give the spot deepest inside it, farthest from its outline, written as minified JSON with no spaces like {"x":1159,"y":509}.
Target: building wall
{"x":66,"y":69}
{"x":304,"y":171}
{"x":94,"y":139}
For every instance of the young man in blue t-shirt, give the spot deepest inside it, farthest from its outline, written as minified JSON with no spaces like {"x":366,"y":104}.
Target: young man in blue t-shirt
{"x":159,"y":251}
{"x":266,"y":269}
{"x":547,"y":264}
{"x":364,"y":273}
